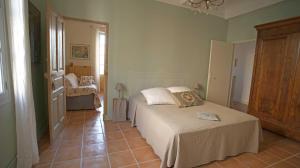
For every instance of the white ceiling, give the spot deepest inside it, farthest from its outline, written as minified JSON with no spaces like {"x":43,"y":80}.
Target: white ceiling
{"x":231,"y":8}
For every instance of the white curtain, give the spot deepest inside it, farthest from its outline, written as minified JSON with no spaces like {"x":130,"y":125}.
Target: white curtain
{"x":18,"y":36}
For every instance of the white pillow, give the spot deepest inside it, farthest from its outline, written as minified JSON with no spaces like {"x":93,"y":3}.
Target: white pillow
{"x":176,"y":89}
{"x":72,"y":78}
{"x":158,"y":96}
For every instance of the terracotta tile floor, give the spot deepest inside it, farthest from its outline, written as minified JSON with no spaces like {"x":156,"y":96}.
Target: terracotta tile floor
{"x":89,"y":142}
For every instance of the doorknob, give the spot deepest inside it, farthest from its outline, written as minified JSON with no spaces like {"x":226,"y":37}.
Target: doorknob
{"x":45,"y":75}
{"x":53,"y":86}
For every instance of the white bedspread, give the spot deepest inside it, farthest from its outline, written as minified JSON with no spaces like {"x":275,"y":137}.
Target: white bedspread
{"x":182,"y":140}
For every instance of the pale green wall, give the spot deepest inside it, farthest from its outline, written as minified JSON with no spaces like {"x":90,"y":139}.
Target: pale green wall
{"x":242,"y":27}
{"x":8,"y":136}
{"x":149,"y":36}
{"x":145,"y":36}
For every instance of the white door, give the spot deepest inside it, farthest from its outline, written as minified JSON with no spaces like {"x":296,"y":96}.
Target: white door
{"x":55,"y":73}
{"x":219,"y":73}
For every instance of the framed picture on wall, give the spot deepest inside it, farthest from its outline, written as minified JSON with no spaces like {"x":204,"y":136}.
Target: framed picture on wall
{"x":80,"y":51}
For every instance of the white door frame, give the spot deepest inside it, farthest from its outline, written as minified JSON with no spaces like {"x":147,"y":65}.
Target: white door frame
{"x":233,"y":62}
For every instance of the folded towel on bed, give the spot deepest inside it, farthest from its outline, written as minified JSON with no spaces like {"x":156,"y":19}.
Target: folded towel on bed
{"x":208,"y":116}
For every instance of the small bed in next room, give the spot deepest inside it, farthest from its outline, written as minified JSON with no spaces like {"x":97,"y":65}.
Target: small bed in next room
{"x":182,"y":140}
{"x":81,"y":88}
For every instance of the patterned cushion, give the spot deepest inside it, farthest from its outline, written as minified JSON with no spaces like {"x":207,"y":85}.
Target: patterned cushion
{"x":86,"y":80}
{"x":187,"y":99}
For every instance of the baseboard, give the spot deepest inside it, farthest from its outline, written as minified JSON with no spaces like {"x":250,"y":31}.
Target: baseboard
{"x":43,"y":129}
{"x":245,"y":102}
{"x":106,"y":117}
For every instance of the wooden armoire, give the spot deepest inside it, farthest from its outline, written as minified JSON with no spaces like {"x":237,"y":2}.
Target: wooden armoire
{"x":275,"y":89}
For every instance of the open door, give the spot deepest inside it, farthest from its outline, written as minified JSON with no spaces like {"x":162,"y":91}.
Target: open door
{"x":219,"y":73}
{"x":55,"y":73}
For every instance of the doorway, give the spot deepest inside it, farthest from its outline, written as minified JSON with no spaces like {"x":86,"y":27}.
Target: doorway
{"x":101,"y":55}
{"x":77,"y":58}
{"x":241,"y":76}
{"x":94,"y":35}
{"x":230,"y":73}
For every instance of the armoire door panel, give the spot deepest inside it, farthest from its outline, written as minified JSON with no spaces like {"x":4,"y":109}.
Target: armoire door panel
{"x":294,"y":107}
{"x":271,"y":75}
{"x":294,"y":117}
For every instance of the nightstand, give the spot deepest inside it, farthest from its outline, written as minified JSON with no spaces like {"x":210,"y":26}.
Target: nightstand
{"x":119,"y":109}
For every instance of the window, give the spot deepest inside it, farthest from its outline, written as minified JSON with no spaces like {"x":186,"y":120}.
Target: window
{"x":4,"y":94}
{"x":1,"y":70}
{"x":102,"y":52}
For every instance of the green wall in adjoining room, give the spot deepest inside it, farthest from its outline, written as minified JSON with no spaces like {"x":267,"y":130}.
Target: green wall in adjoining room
{"x":242,"y":27}
{"x":38,"y":80}
{"x":151,"y":37}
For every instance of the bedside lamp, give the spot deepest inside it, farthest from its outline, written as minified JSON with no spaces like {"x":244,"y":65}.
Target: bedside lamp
{"x":120,"y":88}
{"x":199,"y":90}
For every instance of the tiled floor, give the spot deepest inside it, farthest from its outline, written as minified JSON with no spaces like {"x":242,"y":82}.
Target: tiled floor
{"x":89,"y":142}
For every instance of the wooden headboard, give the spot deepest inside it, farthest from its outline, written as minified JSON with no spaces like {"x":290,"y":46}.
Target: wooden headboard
{"x":79,"y":70}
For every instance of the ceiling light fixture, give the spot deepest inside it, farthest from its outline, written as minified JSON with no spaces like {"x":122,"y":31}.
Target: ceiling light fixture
{"x":203,"y":5}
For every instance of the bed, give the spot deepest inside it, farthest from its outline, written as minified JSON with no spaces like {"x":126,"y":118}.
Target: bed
{"x":182,"y":140}
{"x":80,"y":97}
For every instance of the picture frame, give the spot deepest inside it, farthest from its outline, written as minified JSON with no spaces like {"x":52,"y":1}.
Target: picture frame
{"x":34,"y":16}
{"x":80,"y":51}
